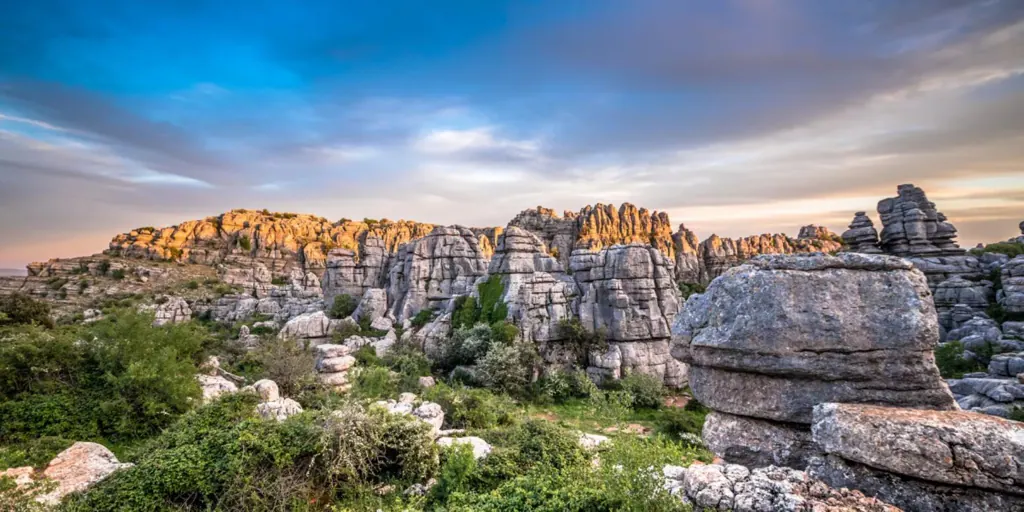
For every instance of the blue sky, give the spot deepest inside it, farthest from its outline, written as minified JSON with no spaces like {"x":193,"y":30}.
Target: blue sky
{"x":735,"y":116}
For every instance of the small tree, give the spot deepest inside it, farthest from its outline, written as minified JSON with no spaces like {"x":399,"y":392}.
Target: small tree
{"x":343,"y":306}
{"x":18,"y":308}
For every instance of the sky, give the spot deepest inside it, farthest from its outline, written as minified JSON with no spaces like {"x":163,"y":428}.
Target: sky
{"x":736,"y":117}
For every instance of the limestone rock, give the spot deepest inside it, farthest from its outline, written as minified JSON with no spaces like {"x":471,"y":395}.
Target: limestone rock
{"x":687,"y":257}
{"x":267,"y":390}
{"x":279,"y":409}
{"x":1013,"y":286}
{"x":431,"y":270}
{"x":310,"y":326}
{"x":774,"y":337}
{"x":948,"y":447}
{"x":771,"y":489}
{"x":911,"y":226}
{"x":173,"y":311}
{"x":430,"y":413}
{"x":332,"y":365}
{"x":78,"y":468}
{"x":480,"y":447}
{"x":373,"y":305}
{"x":909,"y":494}
{"x":862,"y":236}
{"x":213,"y":386}
{"x":757,"y":443}
{"x":958,"y":291}
{"x":427,"y":382}
{"x":592,"y":441}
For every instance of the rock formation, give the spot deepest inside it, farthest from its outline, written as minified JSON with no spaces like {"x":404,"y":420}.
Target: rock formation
{"x":913,"y":227}
{"x":774,"y":337}
{"x":174,"y":310}
{"x":78,"y":468}
{"x":332,"y":365}
{"x":687,"y":259}
{"x":628,"y":292}
{"x":776,"y":489}
{"x":431,"y":270}
{"x":921,"y":460}
{"x":1013,"y":286}
{"x":717,"y":254}
{"x":862,"y":236}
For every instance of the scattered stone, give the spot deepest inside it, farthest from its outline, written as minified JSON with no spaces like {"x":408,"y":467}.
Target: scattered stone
{"x":78,"y":468}
{"x":214,"y":386}
{"x":480,"y":447}
{"x":592,"y":441}
{"x":427,"y":382}
{"x":279,"y":409}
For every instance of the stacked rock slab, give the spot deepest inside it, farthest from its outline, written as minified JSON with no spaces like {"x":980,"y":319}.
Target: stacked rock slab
{"x":628,"y":292}
{"x":430,"y":271}
{"x":921,"y":460}
{"x":775,"y":337}
{"x":1012,"y":277}
{"x":538,"y":292}
{"x":911,"y":226}
{"x":332,"y":365}
{"x":862,"y":236}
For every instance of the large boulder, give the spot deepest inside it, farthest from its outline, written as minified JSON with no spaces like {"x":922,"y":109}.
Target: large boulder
{"x":1013,"y":285}
{"x":309,"y":326}
{"x":772,"y":338}
{"x":174,"y":310}
{"x":775,"y":337}
{"x":949,"y":447}
{"x":372,"y":306}
{"x":78,"y":468}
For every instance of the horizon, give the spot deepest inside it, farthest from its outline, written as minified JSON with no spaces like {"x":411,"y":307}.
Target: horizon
{"x":736,"y":118}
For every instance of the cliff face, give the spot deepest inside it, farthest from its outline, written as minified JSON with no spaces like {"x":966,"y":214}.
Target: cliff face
{"x":281,"y":241}
{"x":600,"y":226}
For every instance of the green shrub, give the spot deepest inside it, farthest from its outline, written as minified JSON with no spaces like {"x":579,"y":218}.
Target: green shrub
{"x":118,"y":274}
{"x":560,"y":385}
{"x":120,"y":378}
{"x":648,"y":392}
{"x":287,"y":362}
{"x":409,"y":362}
{"x":192,"y":285}
{"x":457,"y":468}
{"x":103,"y":267}
{"x":472,"y":408}
{"x":465,"y":313}
{"x":687,"y":289}
{"x":465,"y":346}
{"x":375,"y":382}
{"x":679,"y":422}
{"x":345,"y":331}
{"x":508,"y":368}
{"x":580,"y":340}
{"x":34,"y":452}
{"x":19,"y":309}
{"x":278,"y":281}
{"x":245,"y":243}
{"x":949,"y":359}
{"x":1017,"y":414}
{"x":489,"y":309}
{"x":422,"y":317}
{"x":343,"y":306}
{"x":1011,"y":249}
{"x":366,"y":355}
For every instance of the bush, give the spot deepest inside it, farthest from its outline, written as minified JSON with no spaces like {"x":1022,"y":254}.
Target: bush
{"x":192,"y":285}
{"x":465,"y":346}
{"x":1011,"y":249}
{"x":1017,"y":414}
{"x":366,"y":355}
{"x":287,"y":362}
{"x":278,"y":281}
{"x":490,"y":308}
{"x":472,"y":408}
{"x":375,"y":382}
{"x":508,"y":368}
{"x":245,"y":243}
{"x":34,"y":452}
{"x":687,"y":289}
{"x":457,"y":468}
{"x":19,"y":309}
{"x":343,"y":306}
{"x":119,"y":378}
{"x":581,"y":341}
{"x":422,"y":317}
{"x":409,"y":362}
{"x":118,"y":274}
{"x":648,"y":392}
{"x":560,"y":386}
{"x":103,"y":267}
{"x":951,"y":363}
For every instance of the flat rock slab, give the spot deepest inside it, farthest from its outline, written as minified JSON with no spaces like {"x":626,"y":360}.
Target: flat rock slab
{"x":949,"y":447}
{"x":758,"y":443}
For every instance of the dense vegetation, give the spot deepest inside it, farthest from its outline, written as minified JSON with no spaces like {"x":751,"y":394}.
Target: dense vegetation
{"x":131,"y":386}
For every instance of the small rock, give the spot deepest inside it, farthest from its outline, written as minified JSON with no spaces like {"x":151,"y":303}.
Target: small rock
{"x":427,"y":382}
{"x":480,"y":447}
{"x":279,"y":409}
{"x":592,"y":441}
{"x":78,"y":468}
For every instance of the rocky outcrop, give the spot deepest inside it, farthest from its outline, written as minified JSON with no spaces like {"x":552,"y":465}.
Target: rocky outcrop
{"x":1013,"y":286}
{"x":687,"y":259}
{"x":911,"y":226}
{"x":775,"y":337}
{"x":372,"y":306}
{"x":720,"y":254}
{"x":736,"y":488}
{"x":332,"y":365}
{"x":939,"y":457}
{"x":432,"y":270}
{"x":316,"y":327}
{"x":757,"y":443}
{"x":174,"y":310}
{"x":78,"y":468}
{"x":272,"y":405}
{"x":862,"y":236}
{"x":281,"y":241}
{"x":628,"y":293}
{"x":974,"y":295}
{"x":352,"y":273}
{"x":538,"y":292}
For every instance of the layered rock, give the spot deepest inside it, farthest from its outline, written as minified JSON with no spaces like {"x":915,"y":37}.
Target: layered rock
{"x":174,"y":310}
{"x":78,"y":468}
{"x":688,"y":259}
{"x":431,"y":270}
{"x":772,"y":338}
{"x":1012,"y":278}
{"x":942,"y":460}
{"x":720,"y":254}
{"x":332,"y":365}
{"x":315,"y":327}
{"x":776,"y":489}
{"x":862,"y":236}
{"x":538,"y":292}
{"x":629,"y":293}
{"x":911,"y":226}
